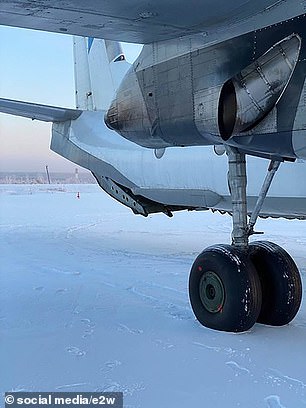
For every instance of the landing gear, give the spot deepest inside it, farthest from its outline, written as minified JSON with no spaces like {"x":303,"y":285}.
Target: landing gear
{"x":224,"y":289}
{"x":233,"y":286}
{"x":280,"y":281}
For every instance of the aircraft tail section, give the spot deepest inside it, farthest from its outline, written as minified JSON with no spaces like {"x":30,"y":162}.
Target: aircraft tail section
{"x":83,"y":91}
{"x":99,"y":68}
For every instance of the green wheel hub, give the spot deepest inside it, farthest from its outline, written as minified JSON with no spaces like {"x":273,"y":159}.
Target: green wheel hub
{"x":212,"y":293}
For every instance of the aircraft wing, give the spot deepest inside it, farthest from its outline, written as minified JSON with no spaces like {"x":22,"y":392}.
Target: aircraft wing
{"x":36,"y":111}
{"x":140,"y":21}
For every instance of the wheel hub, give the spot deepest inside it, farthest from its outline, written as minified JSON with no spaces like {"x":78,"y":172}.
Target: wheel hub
{"x":212,"y":293}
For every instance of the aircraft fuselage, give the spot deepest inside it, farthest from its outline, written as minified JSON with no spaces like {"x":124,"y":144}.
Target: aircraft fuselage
{"x":248,"y":91}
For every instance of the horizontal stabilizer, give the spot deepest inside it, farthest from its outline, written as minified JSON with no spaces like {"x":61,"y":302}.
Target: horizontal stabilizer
{"x":36,"y":111}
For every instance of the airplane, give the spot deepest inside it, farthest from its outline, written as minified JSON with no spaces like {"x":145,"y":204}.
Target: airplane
{"x":217,"y":84}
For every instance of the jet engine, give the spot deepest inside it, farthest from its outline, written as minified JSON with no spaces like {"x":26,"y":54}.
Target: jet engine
{"x":250,"y":95}
{"x":156,"y":112}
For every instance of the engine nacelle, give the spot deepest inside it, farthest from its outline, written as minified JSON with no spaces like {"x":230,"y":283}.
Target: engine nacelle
{"x":156,"y":111}
{"x":250,"y":95}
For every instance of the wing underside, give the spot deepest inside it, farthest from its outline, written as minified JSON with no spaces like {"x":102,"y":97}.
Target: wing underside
{"x":140,"y":21}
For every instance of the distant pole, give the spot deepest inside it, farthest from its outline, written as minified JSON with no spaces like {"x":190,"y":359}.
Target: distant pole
{"x":76,"y":176}
{"x":47,"y":171}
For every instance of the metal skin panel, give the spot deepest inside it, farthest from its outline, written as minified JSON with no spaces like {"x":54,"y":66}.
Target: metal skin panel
{"x":180,"y":96}
{"x":174,"y":100}
{"x":139,"y":21}
{"x":299,"y":135}
{"x":212,"y":67}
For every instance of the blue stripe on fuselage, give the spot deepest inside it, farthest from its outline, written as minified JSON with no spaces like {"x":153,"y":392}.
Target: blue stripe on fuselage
{"x":90,"y":40}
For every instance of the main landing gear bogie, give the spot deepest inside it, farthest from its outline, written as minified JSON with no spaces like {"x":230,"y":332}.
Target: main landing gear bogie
{"x":231,"y":287}
{"x":231,"y":290}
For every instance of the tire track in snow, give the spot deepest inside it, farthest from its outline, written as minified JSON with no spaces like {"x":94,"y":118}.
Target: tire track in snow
{"x":238,"y":369}
{"x":273,"y":401}
{"x":174,"y":310}
{"x":123,"y":327}
{"x":270,"y":375}
{"x":283,"y":379}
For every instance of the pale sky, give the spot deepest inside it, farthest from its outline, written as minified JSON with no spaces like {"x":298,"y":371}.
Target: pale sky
{"x":35,"y":67}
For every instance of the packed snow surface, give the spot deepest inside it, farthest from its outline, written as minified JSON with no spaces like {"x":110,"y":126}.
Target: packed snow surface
{"x":94,"y":298}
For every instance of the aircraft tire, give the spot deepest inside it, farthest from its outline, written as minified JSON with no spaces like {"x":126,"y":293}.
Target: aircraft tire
{"x":280,"y":281}
{"x":224,"y":289}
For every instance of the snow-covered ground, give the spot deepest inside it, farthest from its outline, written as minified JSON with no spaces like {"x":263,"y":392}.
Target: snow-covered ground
{"x":95,"y":298}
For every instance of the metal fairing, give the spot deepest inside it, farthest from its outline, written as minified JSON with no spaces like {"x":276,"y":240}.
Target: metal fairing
{"x":251,"y":94}
{"x":193,"y":178}
{"x":171,"y":96}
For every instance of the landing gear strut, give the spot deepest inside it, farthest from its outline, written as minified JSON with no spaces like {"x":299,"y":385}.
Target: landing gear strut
{"x":233,"y":286}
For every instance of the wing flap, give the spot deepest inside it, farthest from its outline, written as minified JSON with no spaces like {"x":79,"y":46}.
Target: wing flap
{"x":36,"y":111}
